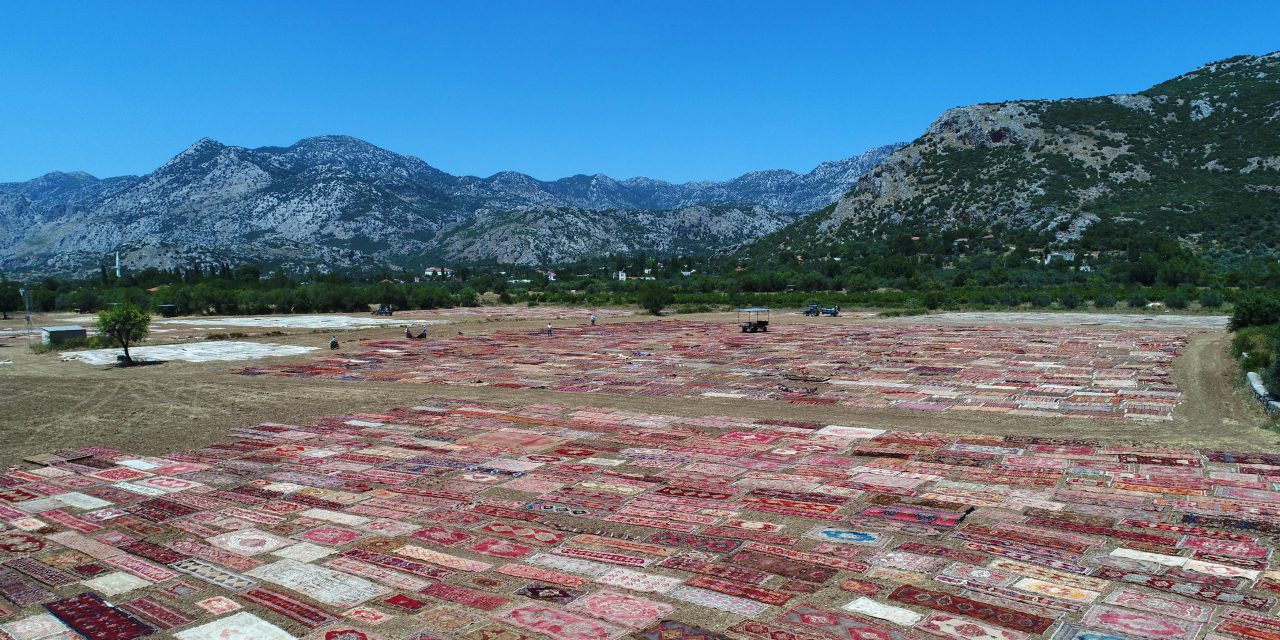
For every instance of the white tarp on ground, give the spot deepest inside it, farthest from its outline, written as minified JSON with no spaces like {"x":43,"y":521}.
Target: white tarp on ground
{"x":298,"y":322}
{"x":192,"y":352}
{"x":1157,"y":321}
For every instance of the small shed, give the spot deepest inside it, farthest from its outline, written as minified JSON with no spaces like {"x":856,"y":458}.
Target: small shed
{"x":61,"y":334}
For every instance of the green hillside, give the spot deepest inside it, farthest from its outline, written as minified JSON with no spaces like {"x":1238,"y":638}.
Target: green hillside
{"x":1189,"y":167}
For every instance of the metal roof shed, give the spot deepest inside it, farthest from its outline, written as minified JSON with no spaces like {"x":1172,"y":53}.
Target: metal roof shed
{"x":62,"y":333}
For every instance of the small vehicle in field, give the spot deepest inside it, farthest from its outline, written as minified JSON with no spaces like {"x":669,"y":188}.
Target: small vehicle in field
{"x":383,"y":310}
{"x":814,"y":310}
{"x":753,"y":320}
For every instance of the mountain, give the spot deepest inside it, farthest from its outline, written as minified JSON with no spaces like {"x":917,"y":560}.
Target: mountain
{"x":1195,"y":158}
{"x":339,"y":202}
{"x":562,"y":234}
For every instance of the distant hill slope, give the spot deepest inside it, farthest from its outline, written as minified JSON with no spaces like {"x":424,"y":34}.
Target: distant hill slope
{"x":1197,"y":157}
{"x":339,"y":201}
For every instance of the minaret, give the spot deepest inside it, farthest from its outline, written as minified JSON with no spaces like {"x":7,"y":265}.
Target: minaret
{"x":117,"y":264}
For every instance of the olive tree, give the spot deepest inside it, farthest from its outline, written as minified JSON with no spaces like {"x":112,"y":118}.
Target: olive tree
{"x":125,"y":324}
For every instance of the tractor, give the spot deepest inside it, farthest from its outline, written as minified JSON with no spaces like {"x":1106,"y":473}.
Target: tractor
{"x":752,"y":321}
{"x":814,"y":310}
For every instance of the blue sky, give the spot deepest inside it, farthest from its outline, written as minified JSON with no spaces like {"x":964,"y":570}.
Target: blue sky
{"x":678,"y":90}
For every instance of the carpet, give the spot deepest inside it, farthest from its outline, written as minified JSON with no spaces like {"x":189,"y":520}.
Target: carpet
{"x":1140,"y":624}
{"x":95,"y":619}
{"x":1002,"y":616}
{"x":407,"y":518}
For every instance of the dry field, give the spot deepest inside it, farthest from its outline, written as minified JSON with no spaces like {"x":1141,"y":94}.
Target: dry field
{"x":157,"y":408}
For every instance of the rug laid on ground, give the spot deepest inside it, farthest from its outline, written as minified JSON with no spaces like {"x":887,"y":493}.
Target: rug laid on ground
{"x":1088,"y":372}
{"x":464,"y":522}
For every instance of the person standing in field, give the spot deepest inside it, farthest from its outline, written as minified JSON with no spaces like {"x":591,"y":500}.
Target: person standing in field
{"x":593,"y":319}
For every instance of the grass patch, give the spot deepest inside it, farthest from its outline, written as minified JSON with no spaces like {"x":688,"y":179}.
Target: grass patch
{"x":234,"y":335}
{"x":71,"y":345}
{"x":1255,"y":347}
{"x":902,"y":313}
{"x":694,"y":308}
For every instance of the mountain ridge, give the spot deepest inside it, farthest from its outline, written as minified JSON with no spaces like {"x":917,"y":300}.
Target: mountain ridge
{"x":1196,"y":157}
{"x":340,"y":201}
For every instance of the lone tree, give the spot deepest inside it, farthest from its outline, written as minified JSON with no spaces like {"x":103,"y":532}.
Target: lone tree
{"x":654,"y":296}
{"x":10,"y":298}
{"x":126,"y":324}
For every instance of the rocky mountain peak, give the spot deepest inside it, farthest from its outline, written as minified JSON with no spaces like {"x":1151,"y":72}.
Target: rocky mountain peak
{"x":334,"y":195}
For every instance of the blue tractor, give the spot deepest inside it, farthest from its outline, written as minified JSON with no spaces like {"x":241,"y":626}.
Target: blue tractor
{"x":814,"y":310}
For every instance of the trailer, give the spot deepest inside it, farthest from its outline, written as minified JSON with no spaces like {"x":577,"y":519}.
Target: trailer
{"x":753,"y":320}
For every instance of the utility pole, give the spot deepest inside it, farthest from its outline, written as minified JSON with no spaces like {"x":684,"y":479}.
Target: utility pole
{"x":26,"y":304}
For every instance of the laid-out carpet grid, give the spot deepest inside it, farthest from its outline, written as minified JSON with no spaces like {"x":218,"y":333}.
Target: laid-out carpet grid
{"x":522,"y":312}
{"x":1050,"y":371}
{"x":464,"y":522}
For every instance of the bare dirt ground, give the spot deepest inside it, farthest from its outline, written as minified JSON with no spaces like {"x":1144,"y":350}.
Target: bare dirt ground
{"x":47,"y":404}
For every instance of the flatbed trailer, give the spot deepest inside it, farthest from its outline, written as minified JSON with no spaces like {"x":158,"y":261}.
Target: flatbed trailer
{"x":753,"y":320}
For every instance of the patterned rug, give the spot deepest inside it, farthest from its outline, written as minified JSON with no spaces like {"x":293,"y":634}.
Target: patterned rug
{"x":1085,"y":372}
{"x":458,"y":521}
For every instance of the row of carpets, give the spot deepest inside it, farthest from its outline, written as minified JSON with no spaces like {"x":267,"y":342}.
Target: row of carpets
{"x":1082,"y":372}
{"x":466,"y":522}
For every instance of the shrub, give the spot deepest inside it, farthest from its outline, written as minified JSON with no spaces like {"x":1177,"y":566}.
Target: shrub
{"x":1136,"y":300}
{"x":1255,"y":309}
{"x":1104,"y":301}
{"x":654,"y":296}
{"x":468,"y":297}
{"x":1069,"y":300}
{"x":1271,"y":377}
{"x":1041,"y":300}
{"x":1175,"y":300}
{"x":694,"y":308}
{"x":1211,"y":299}
{"x":903,"y":313}
{"x":1257,"y":346}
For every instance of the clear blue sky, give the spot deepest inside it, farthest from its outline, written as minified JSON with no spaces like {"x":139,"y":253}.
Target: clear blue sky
{"x":677,"y":90}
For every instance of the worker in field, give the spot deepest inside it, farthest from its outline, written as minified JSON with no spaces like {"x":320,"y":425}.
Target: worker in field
{"x":407,"y":333}
{"x":422,"y":335}
{"x":548,"y":328}
{"x":593,"y":319}
{"x":333,"y":342}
